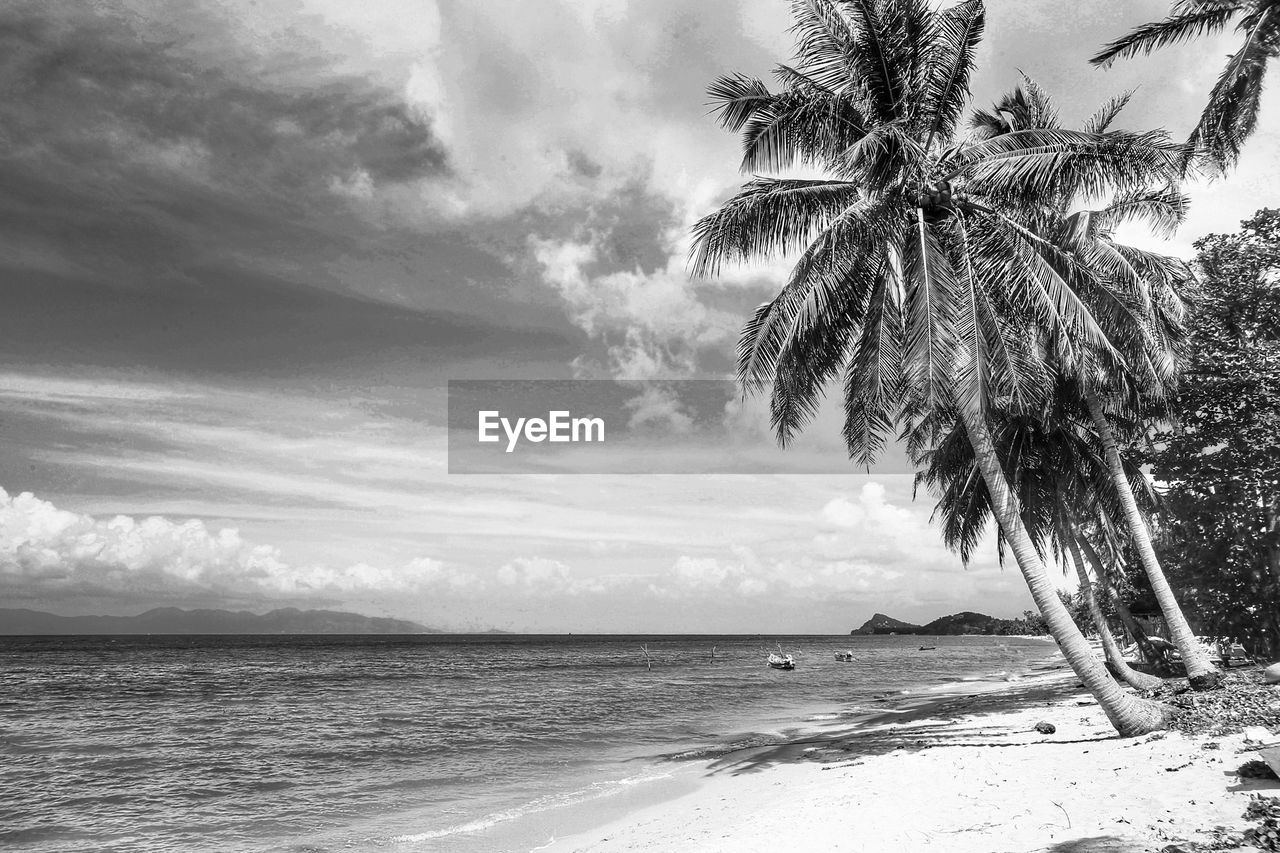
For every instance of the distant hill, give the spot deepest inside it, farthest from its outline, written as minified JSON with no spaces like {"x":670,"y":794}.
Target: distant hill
{"x":172,"y":620}
{"x":965,"y":622}
{"x":881,"y":624}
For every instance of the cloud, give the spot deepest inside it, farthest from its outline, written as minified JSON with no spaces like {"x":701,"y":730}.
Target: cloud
{"x":869,"y":510}
{"x":653,"y":322}
{"x":46,"y":552}
{"x":102,"y":85}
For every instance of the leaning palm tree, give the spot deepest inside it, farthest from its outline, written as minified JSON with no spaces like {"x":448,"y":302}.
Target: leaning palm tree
{"x":1111,"y":649}
{"x":1060,"y":475}
{"x":1108,"y":576}
{"x":1231,"y":115}
{"x":1136,"y":295}
{"x":918,"y":277}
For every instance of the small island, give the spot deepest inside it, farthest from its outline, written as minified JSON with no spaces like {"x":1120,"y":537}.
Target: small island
{"x":965,"y":622}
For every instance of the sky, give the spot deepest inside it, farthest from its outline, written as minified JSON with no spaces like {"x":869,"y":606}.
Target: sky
{"x":245,"y":245}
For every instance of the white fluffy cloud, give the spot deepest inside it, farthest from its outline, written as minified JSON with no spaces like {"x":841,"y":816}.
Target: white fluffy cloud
{"x":45,"y":550}
{"x":653,"y":321}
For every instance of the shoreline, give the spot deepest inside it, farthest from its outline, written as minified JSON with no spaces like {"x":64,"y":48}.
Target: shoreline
{"x":668,"y":776}
{"x":958,"y":767}
{"x":658,"y":777}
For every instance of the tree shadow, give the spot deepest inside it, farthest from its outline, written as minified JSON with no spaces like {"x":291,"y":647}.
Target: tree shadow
{"x":913,"y":727}
{"x":1097,"y":844}
{"x":1243,"y":783}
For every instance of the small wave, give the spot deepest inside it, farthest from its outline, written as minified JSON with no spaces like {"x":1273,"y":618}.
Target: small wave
{"x":597,"y":790}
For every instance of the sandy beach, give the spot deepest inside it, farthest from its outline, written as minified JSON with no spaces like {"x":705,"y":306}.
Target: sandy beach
{"x":960,"y":773}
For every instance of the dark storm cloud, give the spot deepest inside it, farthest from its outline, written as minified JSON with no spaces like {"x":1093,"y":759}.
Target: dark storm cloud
{"x":84,"y":89}
{"x":171,"y":199}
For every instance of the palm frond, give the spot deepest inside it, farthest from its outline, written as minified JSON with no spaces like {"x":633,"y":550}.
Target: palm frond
{"x":872,"y":61}
{"x":768,"y":218}
{"x":1231,"y":115}
{"x":931,"y":289}
{"x":874,"y":376}
{"x":1208,"y":18}
{"x":956,"y":36}
{"x":1162,"y":209}
{"x":1031,"y":270}
{"x":1102,"y":118}
{"x":1046,"y":162}
{"x":844,"y":255}
{"x":825,"y":41}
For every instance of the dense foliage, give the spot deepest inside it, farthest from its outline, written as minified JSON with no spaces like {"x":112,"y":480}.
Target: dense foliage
{"x":1220,"y":460}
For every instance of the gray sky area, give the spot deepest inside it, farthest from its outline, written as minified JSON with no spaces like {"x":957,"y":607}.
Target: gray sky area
{"x":245,"y":244}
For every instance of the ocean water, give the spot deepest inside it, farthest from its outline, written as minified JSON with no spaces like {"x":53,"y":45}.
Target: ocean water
{"x":413,"y":743}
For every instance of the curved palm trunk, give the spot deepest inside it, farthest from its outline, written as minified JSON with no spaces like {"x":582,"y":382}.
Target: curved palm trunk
{"x":1116,"y":662}
{"x":1135,"y":630}
{"x":1127,"y":713}
{"x":1200,"y":671}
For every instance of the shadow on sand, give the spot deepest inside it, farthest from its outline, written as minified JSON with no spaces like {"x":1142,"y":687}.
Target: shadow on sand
{"x":1097,"y":844}
{"x":912,"y":726}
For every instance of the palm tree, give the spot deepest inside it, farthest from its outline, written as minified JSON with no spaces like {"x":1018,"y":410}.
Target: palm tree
{"x":918,"y":278}
{"x":1137,"y":297}
{"x":1107,"y":578}
{"x":1201,"y":672}
{"x":1059,"y":471}
{"x":1231,"y":114}
{"x":1111,"y":649}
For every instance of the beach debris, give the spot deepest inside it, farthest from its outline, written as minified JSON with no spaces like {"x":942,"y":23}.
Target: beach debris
{"x":1266,"y":811}
{"x":1271,"y":675}
{"x":1241,"y":701}
{"x":1046,"y":728}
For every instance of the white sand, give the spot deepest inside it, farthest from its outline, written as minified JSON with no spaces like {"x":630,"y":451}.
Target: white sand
{"x":971,"y":776}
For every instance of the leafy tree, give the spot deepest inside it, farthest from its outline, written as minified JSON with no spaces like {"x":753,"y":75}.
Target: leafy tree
{"x":1221,"y":457}
{"x":1231,"y":115}
{"x":921,"y":278}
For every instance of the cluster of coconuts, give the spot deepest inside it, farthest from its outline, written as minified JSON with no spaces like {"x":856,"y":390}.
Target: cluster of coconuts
{"x":935,"y":195}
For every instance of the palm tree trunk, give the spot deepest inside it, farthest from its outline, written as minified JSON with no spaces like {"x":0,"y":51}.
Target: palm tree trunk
{"x":1127,"y":713}
{"x":1135,"y":630}
{"x":1200,"y":672}
{"x":1117,"y":664}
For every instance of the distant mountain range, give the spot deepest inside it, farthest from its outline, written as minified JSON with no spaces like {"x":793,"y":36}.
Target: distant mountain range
{"x":172,"y":620}
{"x":965,"y":622}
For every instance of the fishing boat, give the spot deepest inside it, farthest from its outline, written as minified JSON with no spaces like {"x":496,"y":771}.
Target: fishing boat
{"x":927,"y":648}
{"x":845,"y":656}
{"x":782,"y":661}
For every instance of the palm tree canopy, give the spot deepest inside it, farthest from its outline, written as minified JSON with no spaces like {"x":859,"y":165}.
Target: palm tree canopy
{"x":923,"y":273}
{"x":1137,"y":296}
{"x":1054,"y":464}
{"x":1231,"y":115}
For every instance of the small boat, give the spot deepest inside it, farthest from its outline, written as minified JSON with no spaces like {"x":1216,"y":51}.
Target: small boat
{"x":927,"y":648}
{"x":845,"y":656}
{"x":782,"y":661}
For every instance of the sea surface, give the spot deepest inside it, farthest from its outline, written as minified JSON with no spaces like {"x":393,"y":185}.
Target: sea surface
{"x":312,"y":744}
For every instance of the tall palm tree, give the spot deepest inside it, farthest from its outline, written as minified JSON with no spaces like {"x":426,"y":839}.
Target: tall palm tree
{"x":918,"y":278}
{"x":1137,"y":297}
{"x":1231,"y":115}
